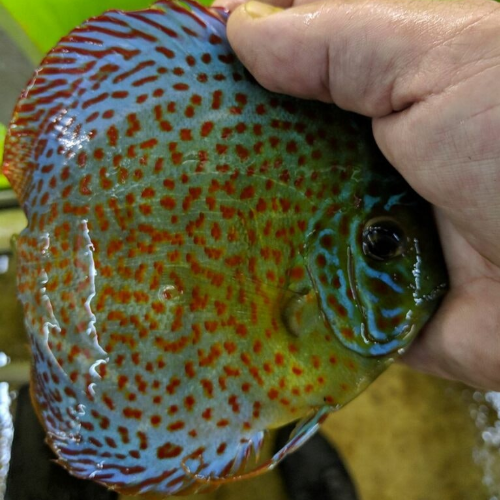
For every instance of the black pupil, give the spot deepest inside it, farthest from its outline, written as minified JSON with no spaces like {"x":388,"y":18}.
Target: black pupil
{"x":383,"y":239}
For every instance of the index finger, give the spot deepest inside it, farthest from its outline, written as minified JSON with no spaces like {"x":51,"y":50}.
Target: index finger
{"x":233,"y":4}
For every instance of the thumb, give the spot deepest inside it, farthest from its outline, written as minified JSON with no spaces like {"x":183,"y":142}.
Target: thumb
{"x":370,"y":57}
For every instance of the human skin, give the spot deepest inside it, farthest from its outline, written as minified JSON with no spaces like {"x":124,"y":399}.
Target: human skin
{"x":428,"y":74}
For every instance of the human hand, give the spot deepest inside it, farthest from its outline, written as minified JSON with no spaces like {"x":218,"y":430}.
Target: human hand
{"x":427,"y":72}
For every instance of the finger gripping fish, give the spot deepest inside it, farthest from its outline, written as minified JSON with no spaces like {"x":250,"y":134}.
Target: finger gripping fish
{"x":204,"y":260}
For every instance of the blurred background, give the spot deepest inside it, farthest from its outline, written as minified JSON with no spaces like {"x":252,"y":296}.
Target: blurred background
{"x":409,"y":436}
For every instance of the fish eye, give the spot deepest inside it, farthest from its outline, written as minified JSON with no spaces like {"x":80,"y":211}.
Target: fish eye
{"x":383,"y":239}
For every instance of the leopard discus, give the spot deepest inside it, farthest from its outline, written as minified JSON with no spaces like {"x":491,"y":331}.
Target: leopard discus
{"x":204,"y":260}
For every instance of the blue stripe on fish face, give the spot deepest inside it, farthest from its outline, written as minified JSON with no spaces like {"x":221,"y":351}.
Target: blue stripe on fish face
{"x":391,"y":313}
{"x":381,"y":276}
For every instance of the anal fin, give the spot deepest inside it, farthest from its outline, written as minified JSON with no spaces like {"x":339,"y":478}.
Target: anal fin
{"x":248,"y":452}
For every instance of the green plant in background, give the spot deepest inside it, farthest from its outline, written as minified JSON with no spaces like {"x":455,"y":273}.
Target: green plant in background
{"x":3,"y":181}
{"x":44,"y":22}
{"x":37,"y":25}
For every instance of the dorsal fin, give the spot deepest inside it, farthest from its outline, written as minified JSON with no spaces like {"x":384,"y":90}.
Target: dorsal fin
{"x":81,"y":71}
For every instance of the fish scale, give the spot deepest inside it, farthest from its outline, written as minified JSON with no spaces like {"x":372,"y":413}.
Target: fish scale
{"x":189,"y":269}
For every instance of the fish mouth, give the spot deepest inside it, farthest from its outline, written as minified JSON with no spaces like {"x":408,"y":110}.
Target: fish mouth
{"x":365,"y":331}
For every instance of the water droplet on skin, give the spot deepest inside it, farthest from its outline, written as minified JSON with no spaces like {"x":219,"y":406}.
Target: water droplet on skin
{"x":99,"y":466}
{"x":43,"y":278}
{"x":44,"y":243}
{"x":93,"y":369}
{"x":74,"y":438}
{"x":169,"y":292}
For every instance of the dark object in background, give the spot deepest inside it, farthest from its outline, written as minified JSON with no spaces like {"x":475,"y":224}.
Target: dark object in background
{"x":33,"y":474}
{"x":7,"y":197}
{"x":315,"y":471}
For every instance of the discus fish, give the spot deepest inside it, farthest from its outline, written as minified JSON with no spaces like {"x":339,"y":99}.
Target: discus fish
{"x":204,"y":260}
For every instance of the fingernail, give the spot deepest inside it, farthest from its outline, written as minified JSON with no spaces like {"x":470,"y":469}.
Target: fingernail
{"x":258,"y":9}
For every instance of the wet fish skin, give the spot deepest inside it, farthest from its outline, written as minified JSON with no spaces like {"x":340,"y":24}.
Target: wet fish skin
{"x":194,"y":270}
